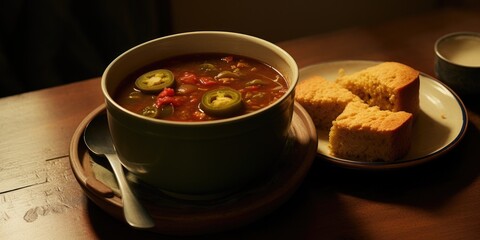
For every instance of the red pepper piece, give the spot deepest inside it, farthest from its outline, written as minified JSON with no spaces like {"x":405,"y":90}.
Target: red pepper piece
{"x":167,"y":96}
{"x":208,"y":81}
{"x":188,"y":77}
{"x":166,"y":92}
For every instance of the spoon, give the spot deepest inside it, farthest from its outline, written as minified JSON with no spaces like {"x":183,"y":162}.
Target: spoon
{"x":99,"y":142}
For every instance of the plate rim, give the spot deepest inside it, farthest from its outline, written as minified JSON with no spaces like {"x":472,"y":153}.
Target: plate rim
{"x":400,"y":163}
{"x":252,"y":203}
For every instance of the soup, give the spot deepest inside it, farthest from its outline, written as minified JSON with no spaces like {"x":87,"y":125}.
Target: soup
{"x":201,"y":87}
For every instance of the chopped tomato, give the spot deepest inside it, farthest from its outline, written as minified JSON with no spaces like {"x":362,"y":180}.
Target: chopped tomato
{"x":167,"y":96}
{"x":175,"y":101}
{"x":166,"y":92}
{"x":208,"y":81}
{"x":188,"y":77}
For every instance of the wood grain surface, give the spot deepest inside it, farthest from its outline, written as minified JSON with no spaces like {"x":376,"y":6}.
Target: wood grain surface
{"x":41,"y":199}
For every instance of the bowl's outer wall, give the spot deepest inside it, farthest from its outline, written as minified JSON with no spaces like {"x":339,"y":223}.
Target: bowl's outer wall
{"x":196,"y":158}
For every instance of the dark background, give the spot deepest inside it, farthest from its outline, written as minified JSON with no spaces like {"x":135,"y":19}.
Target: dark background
{"x":45,"y":43}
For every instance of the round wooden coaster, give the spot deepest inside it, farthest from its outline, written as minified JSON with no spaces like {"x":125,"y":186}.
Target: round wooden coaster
{"x":186,"y":217}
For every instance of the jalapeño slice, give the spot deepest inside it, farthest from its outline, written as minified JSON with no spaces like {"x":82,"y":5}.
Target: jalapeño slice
{"x":154,"y":81}
{"x":222,"y":102}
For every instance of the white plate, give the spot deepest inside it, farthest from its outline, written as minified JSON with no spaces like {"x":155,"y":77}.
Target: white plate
{"x":439,"y":126}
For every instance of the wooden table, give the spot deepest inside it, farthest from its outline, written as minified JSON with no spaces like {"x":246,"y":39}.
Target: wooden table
{"x":41,"y":199}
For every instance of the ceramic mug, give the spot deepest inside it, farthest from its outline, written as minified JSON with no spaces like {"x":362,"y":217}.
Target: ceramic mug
{"x":457,"y":62}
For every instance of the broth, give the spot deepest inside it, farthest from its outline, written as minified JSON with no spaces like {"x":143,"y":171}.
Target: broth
{"x":204,"y":87}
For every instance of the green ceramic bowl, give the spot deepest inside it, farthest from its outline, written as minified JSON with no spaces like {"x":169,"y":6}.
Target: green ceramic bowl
{"x":200,"y":157}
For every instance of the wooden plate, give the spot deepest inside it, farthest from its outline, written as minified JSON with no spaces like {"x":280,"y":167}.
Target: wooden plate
{"x":191,"y":217}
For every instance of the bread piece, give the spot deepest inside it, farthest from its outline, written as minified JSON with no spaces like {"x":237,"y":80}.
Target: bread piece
{"x":323,"y":100}
{"x":389,"y":85}
{"x":366,"y":133}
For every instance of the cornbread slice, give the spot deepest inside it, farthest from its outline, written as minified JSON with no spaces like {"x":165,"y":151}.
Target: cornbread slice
{"x":389,"y":85}
{"x":323,"y":100}
{"x":366,"y":133}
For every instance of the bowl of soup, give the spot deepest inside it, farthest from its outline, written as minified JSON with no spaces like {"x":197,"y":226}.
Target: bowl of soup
{"x":200,"y":113}
{"x":457,"y":62}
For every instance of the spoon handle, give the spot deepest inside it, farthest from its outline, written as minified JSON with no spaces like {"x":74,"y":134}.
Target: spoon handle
{"x":135,"y":213}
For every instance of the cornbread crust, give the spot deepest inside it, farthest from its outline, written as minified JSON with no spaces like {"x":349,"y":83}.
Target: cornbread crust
{"x":323,"y":100}
{"x":369,"y":134}
{"x":389,"y":85}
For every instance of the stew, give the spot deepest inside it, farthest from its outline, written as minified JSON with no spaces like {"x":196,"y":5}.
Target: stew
{"x":201,"y":87}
